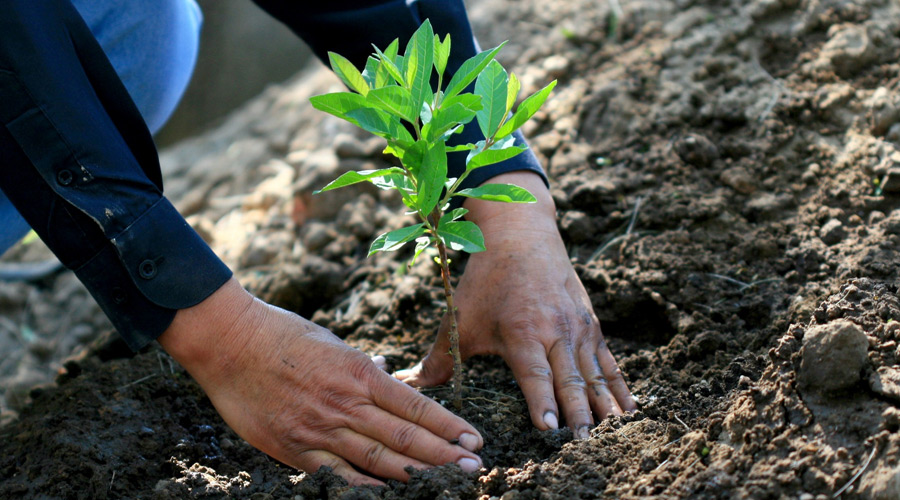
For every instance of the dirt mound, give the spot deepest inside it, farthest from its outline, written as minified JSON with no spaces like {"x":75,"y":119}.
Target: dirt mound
{"x":726,"y":178}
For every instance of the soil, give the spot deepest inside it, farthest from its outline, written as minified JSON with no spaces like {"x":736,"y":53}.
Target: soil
{"x":727,"y":176}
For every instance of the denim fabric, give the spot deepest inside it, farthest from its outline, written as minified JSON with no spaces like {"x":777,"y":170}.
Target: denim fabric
{"x":152,"y":44}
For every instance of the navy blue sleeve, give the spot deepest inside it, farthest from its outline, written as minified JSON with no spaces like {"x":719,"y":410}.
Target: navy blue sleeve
{"x":79,"y":164}
{"x":351,"y":27}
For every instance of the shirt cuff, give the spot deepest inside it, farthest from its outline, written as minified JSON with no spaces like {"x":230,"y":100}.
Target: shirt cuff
{"x":156,"y":266}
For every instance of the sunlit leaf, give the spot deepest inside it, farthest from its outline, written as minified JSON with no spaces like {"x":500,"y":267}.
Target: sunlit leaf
{"x":491,"y":85}
{"x":441,"y":53}
{"x":339,"y":104}
{"x":446,"y":118}
{"x":506,"y":193}
{"x":462,"y":236}
{"x":394,"y":240}
{"x":512,"y":91}
{"x":395,"y":100}
{"x":418,"y":64}
{"x":452,"y":215}
{"x":526,"y":110}
{"x":422,"y":243}
{"x":469,"y":70}
{"x":391,"y":66}
{"x":354,"y":177}
{"x":348,"y":73}
{"x":492,"y":156}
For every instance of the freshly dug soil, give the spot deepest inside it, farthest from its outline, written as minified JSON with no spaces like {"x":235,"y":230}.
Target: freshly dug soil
{"x":727,"y":176}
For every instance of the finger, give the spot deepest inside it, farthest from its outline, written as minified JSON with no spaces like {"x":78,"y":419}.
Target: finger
{"x":380,"y":362}
{"x":404,"y":402}
{"x":412,"y":440}
{"x":614,"y":377}
{"x":435,"y":369}
{"x":528,"y":362}
{"x":377,"y":458}
{"x":602,"y":400}
{"x":311,"y":461}
{"x":570,"y":387}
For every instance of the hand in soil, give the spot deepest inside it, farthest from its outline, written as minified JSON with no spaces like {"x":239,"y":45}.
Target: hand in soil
{"x":522,"y":300}
{"x":296,"y":392}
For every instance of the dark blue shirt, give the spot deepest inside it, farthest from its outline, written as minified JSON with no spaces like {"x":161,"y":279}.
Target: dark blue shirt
{"x":79,"y":164}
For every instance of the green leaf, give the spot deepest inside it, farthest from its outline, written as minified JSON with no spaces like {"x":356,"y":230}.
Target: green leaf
{"x":393,"y":181}
{"x":506,"y":193}
{"x":446,"y":118}
{"x":452,"y":215}
{"x":414,"y":157}
{"x":348,"y":73}
{"x":376,"y":73}
{"x":390,"y":66}
{"x":470,"y":101}
{"x":418,"y":63}
{"x":462,"y":235}
{"x":513,"y":91}
{"x":491,"y":85}
{"x":380,"y":123}
{"x":395,"y":100}
{"x":526,"y":110}
{"x":339,"y":104}
{"x":349,"y":178}
{"x":394,"y":240}
{"x":492,"y":156}
{"x":441,"y":53}
{"x":421,"y":244}
{"x":426,"y":113}
{"x":431,"y":178}
{"x":470,"y":70}
{"x":461,"y":147}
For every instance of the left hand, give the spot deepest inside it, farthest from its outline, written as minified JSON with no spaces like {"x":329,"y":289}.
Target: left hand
{"x":522,"y":300}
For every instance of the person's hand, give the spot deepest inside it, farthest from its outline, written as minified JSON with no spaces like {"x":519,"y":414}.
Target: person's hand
{"x":296,"y":392}
{"x":522,"y":300}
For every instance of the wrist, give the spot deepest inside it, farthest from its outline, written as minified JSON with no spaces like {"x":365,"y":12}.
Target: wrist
{"x":497,"y":217}
{"x":200,"y":335}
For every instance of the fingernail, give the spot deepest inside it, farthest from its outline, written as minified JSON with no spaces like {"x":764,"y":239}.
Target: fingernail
{"x":468,"y":441}
{"x":550,"y":420}
{"x":583,"y":432}
{"x":380,"y":361}
{"x":468,"y":464}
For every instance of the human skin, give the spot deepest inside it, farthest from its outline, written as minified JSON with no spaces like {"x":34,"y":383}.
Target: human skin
{"x":295,"y":391}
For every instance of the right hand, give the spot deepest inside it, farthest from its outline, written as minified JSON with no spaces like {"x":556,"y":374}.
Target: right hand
{"x":295,"y":391}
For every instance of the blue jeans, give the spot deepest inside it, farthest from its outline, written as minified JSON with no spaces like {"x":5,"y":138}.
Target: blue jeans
{"x":153,"y":45}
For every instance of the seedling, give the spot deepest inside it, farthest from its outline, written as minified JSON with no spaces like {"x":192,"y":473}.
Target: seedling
{"x":394,"y":99}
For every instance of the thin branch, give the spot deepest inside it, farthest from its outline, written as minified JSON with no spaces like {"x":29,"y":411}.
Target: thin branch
{"x":682,"y":422}
{"x":634,"y":214}
{"x":859,"y":473}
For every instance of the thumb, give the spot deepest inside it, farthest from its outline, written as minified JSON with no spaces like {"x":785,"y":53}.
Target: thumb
{"x":435,"y":369}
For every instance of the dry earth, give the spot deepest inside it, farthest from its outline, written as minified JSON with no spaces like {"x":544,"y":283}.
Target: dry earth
{"x":727,"y":176}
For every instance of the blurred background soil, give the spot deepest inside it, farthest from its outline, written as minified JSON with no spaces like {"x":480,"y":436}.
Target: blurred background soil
{"x":727,"y":178}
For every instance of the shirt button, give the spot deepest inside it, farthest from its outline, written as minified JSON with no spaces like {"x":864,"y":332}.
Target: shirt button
{"x":118,"y":295}
{"x":64,"y":177}
{"x":147,"y":269}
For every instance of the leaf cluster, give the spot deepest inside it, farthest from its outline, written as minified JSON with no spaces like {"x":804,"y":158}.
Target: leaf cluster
{"x":394,"y":98}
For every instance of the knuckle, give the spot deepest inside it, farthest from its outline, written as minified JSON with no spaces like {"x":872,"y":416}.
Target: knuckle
{"x":372,"y":456}
{"x":572,"y":382}
{"x":403,"y":437}
{"x":617,"y":376}
{"x":537,"y":372}
{"x":416,"y":408}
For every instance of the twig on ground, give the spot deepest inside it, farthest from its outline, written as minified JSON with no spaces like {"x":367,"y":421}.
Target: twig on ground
{"x":741,"y":284}
{"x":628,"y":231}
{"x":634,"y":214}
{"x":682,"y":422}
{"x":858,"y":473}
{"x":661,"y":465}
{"x":138,"y":381}
{"x":111,"y":481}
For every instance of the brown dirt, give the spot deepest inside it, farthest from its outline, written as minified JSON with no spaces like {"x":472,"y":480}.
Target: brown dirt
{"x":726,"y":178}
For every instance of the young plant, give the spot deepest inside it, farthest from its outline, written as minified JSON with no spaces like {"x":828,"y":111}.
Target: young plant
{"x":394,"y":99}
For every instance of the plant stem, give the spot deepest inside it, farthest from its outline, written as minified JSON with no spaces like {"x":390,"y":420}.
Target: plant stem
{"x":454,"y":330}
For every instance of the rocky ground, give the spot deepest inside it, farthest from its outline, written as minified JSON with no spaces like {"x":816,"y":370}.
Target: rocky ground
{"x":727,"y":180}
